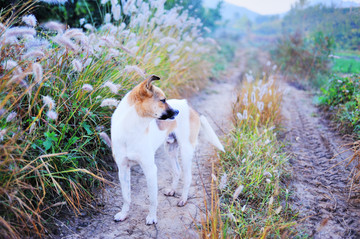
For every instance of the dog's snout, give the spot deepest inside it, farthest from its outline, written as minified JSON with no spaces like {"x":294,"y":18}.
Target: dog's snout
{"x":176,"y":112}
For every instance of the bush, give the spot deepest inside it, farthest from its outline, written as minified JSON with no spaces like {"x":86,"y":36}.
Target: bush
{"x":301,"y":59}
{"x":342,"y":97}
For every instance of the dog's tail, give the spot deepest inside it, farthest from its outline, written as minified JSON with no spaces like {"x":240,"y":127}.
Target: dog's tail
{"x":210,"y":134}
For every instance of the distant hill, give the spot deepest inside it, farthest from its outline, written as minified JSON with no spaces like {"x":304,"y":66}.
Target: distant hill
{"x":230,"y":11}
{"x":336,"y":3}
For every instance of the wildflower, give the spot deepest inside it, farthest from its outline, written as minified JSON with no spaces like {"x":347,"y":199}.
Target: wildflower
{"x":174,"y":58}
{"x":223,"y":181}
{"x":30,"y":20}
{"x":87,"y":87}
{"x":82,"y":21}
{"x":106,"y":138}
{"x":11,"y":116}
{"x":37,"y":71}
{"x":52,"y":115}
{"x":260,"y":106}
{"x":113,"y":87}
{"x":116,"y":11}
{"x":109,"y":102}
{"x":55,"y":26}
{"x":253,"y":97}
{"x":136,"y":69}
{"x":77,"y":65}
{"x":157,"y":61}
{"x":2,"y":134}
{"x":20,"y":32}
{"x":237,"y":192}
{"x":107,"y":18}
{"x":49,"y":102}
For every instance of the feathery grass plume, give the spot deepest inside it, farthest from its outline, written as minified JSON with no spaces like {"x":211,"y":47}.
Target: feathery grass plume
{"x":134,"y":68}
{"x":82,"y":21}
{"x":109,"y":102}
{"x":106,"y":138}
{"x":52,"y":115}
{"x":89,"y":27}
{"x":49,"y":102}
{"x":253,"y":97}
{"x":18,"y":79}
{"x":55,"y":26}
{"x":77,"y":65}
{"x":19,"y":32}
{"x":38,"y":72}
{"x":74,"y":33}
{"x":103,"y":2}
{"x":223,"y":181}
{"x":171,"y":48}
{"x":54,"y":1}
{"x":88,"y":62}
{"x":174,"y":58}
{"x":107,"y":18}
{"x":36,"y":43}
{"x":87,"y":87}
{"x":127,"y":7}
{"x":157,"y":61}
{"x":2,"y":134}
{"x":168,"y":40}
{"x":237,"y":192}
{"x":33,"y":55}
{"x":30,"y":20}
{"x":114,"y":88}
{"x":10,"y":64}
{"x":116,"y":11}
{"x":207,"y":29}
{"x":66,"y":42}
{"x":260,"y":106}
{"x":11,"y":116}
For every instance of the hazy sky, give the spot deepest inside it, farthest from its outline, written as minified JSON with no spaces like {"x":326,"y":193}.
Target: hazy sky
{"x":261,"y":6}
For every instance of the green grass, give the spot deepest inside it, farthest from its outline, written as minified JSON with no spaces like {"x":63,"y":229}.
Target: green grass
{"x":342,"y":65}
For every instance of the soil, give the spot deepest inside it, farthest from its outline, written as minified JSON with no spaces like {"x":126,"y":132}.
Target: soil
{"x":320,"y":186}
{"x":215,"y":103}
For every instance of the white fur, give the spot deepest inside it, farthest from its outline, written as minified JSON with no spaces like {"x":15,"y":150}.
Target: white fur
{"x":136,"y":138}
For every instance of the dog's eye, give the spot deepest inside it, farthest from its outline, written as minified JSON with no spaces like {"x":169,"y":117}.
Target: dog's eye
{"x":163,"y":100}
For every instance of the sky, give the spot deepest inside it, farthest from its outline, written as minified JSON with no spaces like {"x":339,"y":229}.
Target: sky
{"x":261,"y":6}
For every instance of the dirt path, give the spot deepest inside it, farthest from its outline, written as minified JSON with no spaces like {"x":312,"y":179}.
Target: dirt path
{"x":320,"y":192}
{"x":173,"y":222}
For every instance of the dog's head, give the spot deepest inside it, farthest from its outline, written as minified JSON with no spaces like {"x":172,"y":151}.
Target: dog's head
{"x":150,"y":101}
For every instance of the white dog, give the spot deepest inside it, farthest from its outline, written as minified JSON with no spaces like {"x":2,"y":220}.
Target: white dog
{"x":143,"y":121}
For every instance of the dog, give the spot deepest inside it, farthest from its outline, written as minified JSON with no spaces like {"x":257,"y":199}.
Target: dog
{"x":141,"y":123}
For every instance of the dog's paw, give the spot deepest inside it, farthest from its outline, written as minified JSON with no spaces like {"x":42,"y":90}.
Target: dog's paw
{"x":150,"y":219}
{"x":181,"y":203}
{"x":120,"y":216}
{"x":170,"y":193}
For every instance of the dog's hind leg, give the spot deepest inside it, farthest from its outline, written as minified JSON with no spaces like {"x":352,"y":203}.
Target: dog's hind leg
{"x":172,"y":149}
{"x":187,"y":152}
{"x":124,"y":177}
{"x":150,"y":170}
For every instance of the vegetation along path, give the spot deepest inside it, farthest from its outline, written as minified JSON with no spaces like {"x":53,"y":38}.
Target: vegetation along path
{"x":215,"y":102}
{"x":321,"y":190}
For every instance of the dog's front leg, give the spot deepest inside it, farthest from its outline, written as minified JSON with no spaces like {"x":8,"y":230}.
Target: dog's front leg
{"x":150,"y":171}
{"x":124,"y":177}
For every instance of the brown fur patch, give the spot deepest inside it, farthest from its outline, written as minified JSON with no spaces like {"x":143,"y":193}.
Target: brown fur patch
{"x":146,"y":99}
{"x":194,"y":126}
{"x":169,"y":126}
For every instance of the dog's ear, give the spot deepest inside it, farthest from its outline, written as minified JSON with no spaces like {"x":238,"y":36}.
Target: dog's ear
{"x":150,"y":80}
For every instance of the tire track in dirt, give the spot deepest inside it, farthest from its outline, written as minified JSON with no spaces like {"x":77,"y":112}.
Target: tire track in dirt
{"x":321,"y":192}
{"x":215,"y":102}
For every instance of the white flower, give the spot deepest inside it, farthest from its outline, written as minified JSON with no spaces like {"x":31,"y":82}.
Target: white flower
{"x":87,"y":87}
{"x":30,"y":20}
{"x":52,"y":115}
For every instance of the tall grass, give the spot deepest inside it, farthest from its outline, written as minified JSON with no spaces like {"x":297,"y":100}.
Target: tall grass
{"x":58,"y":89}
{"x":250,"y":189}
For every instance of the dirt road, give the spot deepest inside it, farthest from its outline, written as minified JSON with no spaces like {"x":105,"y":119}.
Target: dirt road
{"x":173,"y":222}
{"x":321,"y":193}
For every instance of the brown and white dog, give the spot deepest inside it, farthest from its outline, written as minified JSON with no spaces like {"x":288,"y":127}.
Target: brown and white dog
{"x":142,"y":122}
